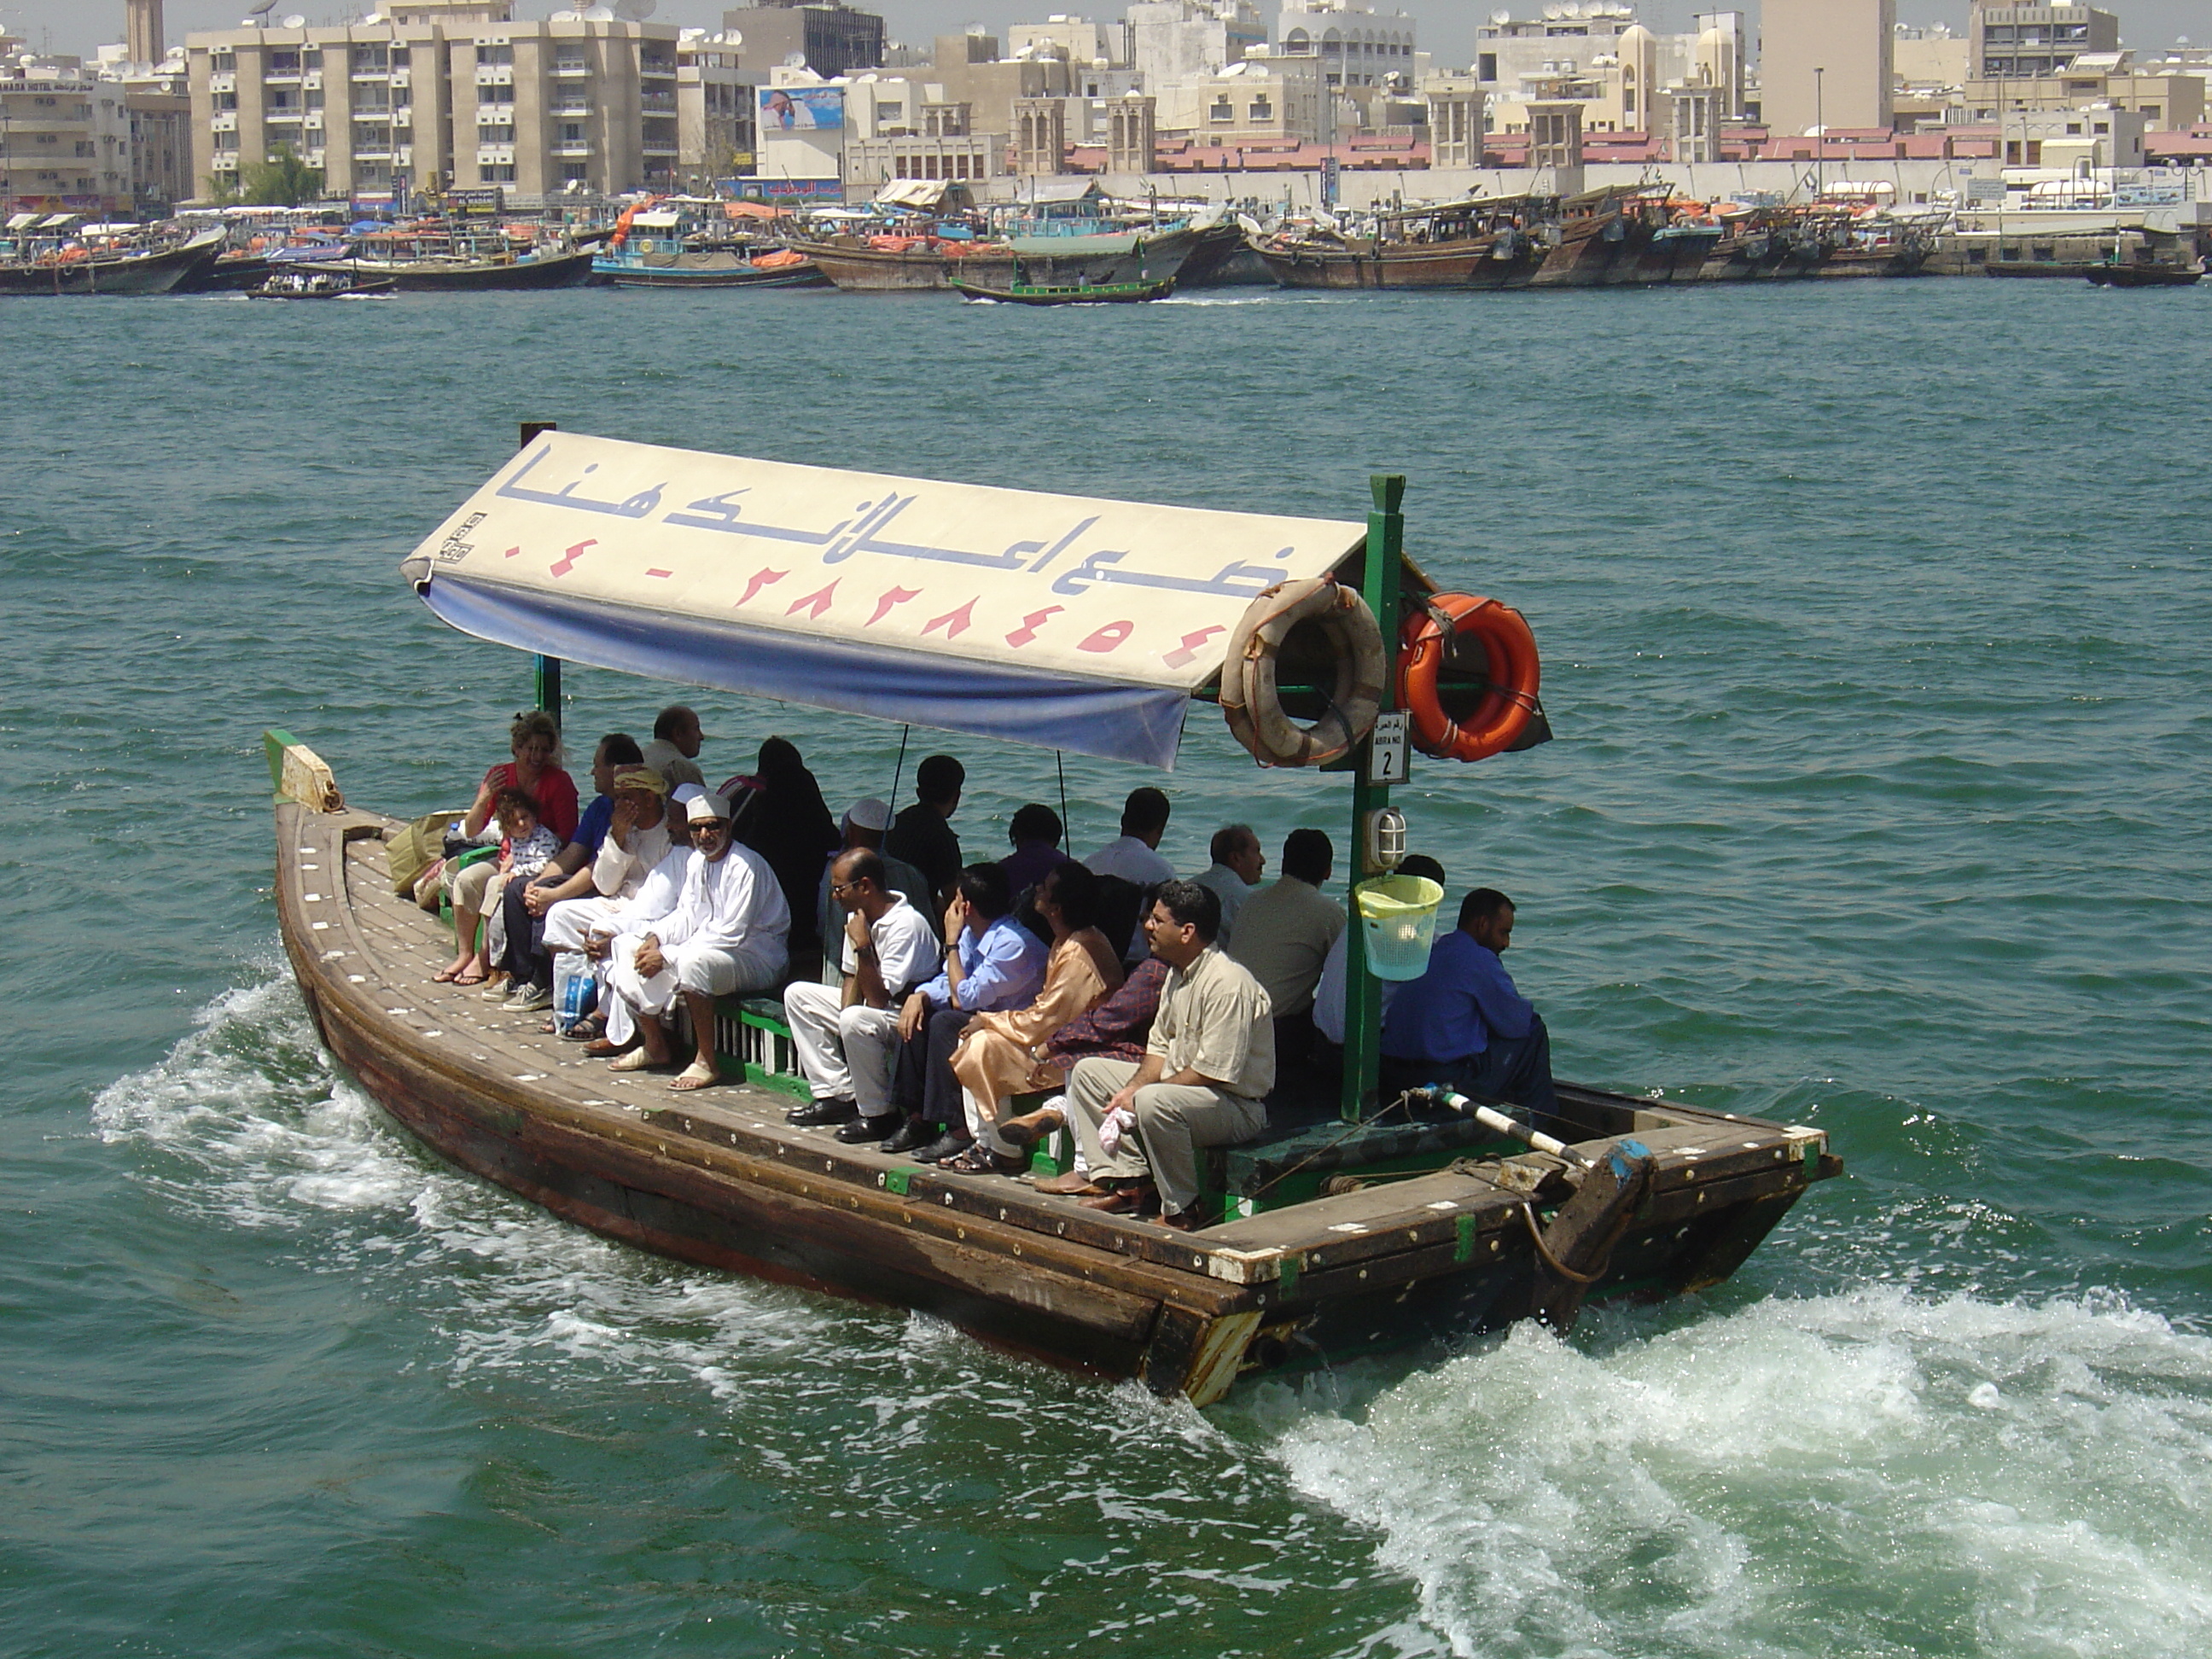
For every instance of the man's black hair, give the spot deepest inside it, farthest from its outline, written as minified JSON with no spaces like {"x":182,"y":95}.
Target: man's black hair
{"x":671,"y":721}
{"x":1229,"y":841}
{"x":621,"y":750}
{"x":1075,"y":890}
{"x":1482,"y":904}
{"x":1036,"y":822}
{"x":984,"y":886}
{"x":865,"y":864}
{"x":1146,"y":812}
{"x":1191,"y":906}
{"x":1309,"y":855}
{"x":1420,"y":864}
{"x":938,"y":778}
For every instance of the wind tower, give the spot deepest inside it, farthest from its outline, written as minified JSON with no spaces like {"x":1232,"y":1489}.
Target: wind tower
{"x":143,"y":34}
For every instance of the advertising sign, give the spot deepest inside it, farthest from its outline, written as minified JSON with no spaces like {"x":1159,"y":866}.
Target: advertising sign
{"x":801,"y":109}
{"x":488,"y":201}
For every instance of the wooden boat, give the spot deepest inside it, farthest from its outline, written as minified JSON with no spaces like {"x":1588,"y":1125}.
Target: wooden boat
{"x":1479,"y":244}
{"x":2143,"y":275}
{"x":555,"y":268}
{"x":1080,"y":293}
{"x":1219,"y":258}
{"x":137,"y":270}
{"x":859,"y":265}
{"x":1342,"y":1234}
{"x":709,"y":268}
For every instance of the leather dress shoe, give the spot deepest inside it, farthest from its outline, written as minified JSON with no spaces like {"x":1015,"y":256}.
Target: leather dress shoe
{"x":945,"y":1145}
{"x":1033,"y":1126}
{"x":1122,"y":1200}
{"x":861,"y":1130}
{"x":817,"y":1114}
{"x":912,"y":1135}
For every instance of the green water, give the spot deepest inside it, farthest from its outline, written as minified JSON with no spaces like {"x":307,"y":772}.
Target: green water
{"x":1875,"y":627}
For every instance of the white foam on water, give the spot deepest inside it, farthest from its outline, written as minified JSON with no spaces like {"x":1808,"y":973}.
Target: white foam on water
{"x":251,"y":1124}
{"x":1866,"y":1473}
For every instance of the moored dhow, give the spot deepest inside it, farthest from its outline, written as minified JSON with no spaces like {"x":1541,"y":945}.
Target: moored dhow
{"x":133,"y":263}
{"x":1356,"y":1221}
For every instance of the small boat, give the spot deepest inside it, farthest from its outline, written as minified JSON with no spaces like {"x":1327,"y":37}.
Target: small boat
{"x":1068,"y":294}
{"x":1353,"y":1222}
{"x":2143,"y":275}
{"x":714,"y":267}
{"x":466,"y":273}
{"x":321,"y":285}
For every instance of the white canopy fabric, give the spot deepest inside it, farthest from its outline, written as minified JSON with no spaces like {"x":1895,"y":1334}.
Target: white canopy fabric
{"x":1062,"y":620}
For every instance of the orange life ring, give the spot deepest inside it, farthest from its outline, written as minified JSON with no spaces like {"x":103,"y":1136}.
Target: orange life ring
{"x":1512,"y":671}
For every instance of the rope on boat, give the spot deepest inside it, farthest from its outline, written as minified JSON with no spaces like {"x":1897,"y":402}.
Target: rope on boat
{"x":1552,"y":1262}
{"x":899,"y":770}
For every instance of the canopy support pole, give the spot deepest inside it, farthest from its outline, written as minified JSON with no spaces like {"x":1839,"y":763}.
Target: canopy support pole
{"x":547,"y":669}
{"x":1363,"y":994}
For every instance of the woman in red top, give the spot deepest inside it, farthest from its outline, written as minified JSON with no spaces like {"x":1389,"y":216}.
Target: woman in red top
{"x":535,"y":742}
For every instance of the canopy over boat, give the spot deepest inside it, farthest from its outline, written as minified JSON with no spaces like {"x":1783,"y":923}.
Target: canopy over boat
{"x":1060,"y":621}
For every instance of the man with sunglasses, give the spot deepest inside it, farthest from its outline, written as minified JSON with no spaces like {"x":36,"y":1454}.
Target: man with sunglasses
{"x":847,"y":1035}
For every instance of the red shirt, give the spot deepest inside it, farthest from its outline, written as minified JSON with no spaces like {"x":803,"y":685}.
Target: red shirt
{"x":555,"y":793}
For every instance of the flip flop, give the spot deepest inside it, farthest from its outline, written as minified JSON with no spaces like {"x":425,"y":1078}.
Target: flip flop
{"x":445,"y":976}
{"x":695,"y":1076}
{"x":635,"y":1061}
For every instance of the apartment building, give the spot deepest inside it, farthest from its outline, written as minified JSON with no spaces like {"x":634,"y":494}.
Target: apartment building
{"x":1827,"y":63}
{"x":1261,"y":97}
{"x":64,"y":138}
{"x":2023,"y":42}
{"x":1357,"y":48}
{"x":444,"y":94}
{"x":2167,"y":100}
{"x":831,"y":40}
{"x":715,"y":135}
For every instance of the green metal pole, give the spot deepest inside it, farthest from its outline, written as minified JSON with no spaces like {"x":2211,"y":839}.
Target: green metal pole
{"x":1363,"y":996}
{"x":548,"y":669}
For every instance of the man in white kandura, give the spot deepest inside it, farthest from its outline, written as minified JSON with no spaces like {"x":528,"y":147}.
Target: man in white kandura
{"x":1204,"y":1080}
{"x":847,"y":1034}
{"x":710,"y":921}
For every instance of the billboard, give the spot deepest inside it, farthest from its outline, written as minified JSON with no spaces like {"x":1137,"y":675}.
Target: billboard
{"x":801,"y":109}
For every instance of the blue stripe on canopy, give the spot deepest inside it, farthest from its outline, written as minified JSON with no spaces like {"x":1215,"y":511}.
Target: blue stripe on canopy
{"x":1111,"y":720}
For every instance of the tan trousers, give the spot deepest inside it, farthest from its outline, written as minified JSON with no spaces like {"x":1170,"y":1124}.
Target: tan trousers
{"x":1174,"y":1120}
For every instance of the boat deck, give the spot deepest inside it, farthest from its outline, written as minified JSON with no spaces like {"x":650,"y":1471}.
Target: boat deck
{"x":385,"y":950}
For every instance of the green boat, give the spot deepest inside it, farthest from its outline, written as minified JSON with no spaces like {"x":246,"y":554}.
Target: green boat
{"x":1077,"y":293}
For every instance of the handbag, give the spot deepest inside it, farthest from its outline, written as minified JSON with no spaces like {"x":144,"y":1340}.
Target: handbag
{"x":414,"y":848}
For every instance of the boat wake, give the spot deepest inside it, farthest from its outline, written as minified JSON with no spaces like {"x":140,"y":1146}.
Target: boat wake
{"x":1870,"y":1472}
{"x":1864,"y":1472}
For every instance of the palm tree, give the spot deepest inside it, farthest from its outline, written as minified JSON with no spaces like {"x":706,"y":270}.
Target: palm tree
{"x":283,"y":180}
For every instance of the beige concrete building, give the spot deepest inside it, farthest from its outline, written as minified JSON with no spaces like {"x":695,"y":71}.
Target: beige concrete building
{"x":64,"y":139}
{"x":1456,"y":124}
{"x":444,"y":94}
{"x":1358,"y":47}
{"x":1828,"y":63}
{"x":2167,"y":102}
{"x":715,"y":131}
{"x":2005,"y":42}
{"x":830,"y":38}
{"x":2072,"y":141}
{"x":1254,"y":99}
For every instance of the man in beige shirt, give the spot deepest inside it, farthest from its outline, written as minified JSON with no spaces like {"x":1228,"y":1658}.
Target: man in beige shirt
{"x":1283,"y":934}
{"x":1204,"y":1079}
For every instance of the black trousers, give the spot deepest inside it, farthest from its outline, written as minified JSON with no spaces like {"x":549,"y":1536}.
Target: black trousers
{"x":527,"y":957}
{"x":922,"y":1084}
{"x":1517,"y":1070}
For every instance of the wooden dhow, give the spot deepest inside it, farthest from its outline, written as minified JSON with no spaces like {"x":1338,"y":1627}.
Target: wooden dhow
{"x":1354,"y":1225}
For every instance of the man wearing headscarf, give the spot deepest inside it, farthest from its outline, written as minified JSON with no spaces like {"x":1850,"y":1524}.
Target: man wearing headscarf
{"x":710,"y":921}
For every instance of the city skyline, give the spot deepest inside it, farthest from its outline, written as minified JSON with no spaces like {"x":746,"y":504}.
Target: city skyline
{"x":1446,"y":26}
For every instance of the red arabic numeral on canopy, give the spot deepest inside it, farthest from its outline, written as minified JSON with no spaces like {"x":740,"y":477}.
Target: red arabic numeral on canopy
{"x":761,"y":579}
{"x":1112,"y":637}
{"x":891,"y":597}
{"x":954,"y":622}
{"x":1028,"y":631}
{"x":814,"y":604}
{"x":1186,"y":653}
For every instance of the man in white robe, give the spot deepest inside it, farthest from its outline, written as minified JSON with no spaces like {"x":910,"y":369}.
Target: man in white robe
{"x":710,"y":921}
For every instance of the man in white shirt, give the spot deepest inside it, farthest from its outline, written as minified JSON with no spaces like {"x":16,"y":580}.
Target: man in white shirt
{"x":1283,"y":935}
{"x":677,"y":741}
{"x":1238,"y":865}
{"x":1134,"y":855}
{"x":710,"y":921}
{"x":847,"y":1035}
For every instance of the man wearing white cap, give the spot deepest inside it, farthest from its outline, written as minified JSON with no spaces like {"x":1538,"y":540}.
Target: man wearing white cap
{"x":710,"y":921}
{"x":641,"y":834}
{"x":865,"y":821}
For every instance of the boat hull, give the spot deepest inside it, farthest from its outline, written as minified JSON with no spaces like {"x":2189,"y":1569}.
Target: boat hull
{"x":133,"y":274}
{"x":858,"y":267}
{"x":430,"y":276}
{"x":737,"y":274}
{"x":1122,"y":295}
{"x":1469,"y":265}
{"x":2144,"y":276}
{"x":720,"y":1179}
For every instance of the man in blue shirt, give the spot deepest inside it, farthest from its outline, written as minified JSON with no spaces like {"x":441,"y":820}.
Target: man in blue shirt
{"x":1461,"y":1023}
{"x":991,"y":961}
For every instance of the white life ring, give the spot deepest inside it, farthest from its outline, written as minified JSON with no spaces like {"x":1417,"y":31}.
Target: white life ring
{"x":1250,"y":700}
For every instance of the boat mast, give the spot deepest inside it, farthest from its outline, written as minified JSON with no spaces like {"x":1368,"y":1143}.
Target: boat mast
{"x":546,"y":671}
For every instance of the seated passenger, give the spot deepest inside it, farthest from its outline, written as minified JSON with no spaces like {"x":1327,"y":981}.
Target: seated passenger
{"x":710,"y":921}
{"x":1117,"y":1029}
{"x":1463,"y":1024}
{"x":526,"y":847}
{"x":784,"y":818}
{"x":991,"y":962}
{"x":1234,"y":875}
{"x":1329,"y":993}
{"x":847,"y":1034}
{"x":922,"y":834}
{"x":1035,"y":834}
{"x":1208,"y":1065}
{"x":535,"y":742}
{"x":523,"y":905}
{"x":674,"y":751}
{"x":1000,"y":1053}
{"x":1283,"y":935}
{"x":863,"y":826}
{"x":641,"y":832}
{"x":1134,"y":854}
